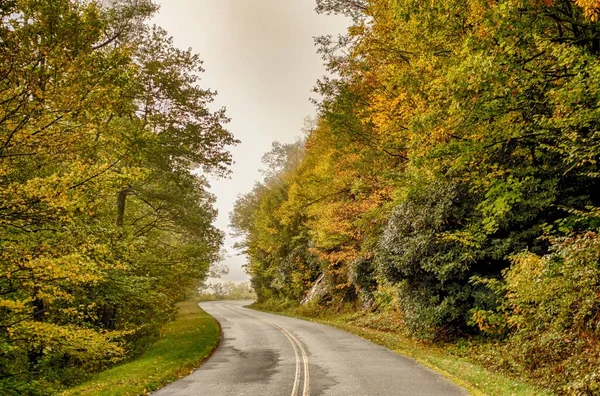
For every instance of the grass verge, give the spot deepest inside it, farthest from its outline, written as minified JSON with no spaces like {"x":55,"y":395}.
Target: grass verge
{"x":476,"y":379}
{"x":188,"y":341}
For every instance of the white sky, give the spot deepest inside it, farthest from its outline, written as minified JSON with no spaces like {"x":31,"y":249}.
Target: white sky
{"x":260,"y":57}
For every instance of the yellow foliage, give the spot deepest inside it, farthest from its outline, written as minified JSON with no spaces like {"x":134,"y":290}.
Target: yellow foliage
{"x":591,"y":8}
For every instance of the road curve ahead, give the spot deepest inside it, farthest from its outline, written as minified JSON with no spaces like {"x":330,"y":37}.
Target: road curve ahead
{"x":265,"y":354}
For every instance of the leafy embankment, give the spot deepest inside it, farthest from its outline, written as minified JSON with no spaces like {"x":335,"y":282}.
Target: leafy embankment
{"x":451,"y":360}
{"x":186,"y":343}
{"x":450,"y":178}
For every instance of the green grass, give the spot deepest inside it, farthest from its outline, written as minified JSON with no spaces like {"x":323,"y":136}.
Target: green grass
{"x":187,"y":342}
{"x":476,"y":379}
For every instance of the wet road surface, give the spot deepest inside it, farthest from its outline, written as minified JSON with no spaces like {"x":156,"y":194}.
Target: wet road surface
{"x":265,"y":354}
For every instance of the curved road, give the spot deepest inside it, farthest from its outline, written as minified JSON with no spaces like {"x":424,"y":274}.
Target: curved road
{"x":265,"y":354}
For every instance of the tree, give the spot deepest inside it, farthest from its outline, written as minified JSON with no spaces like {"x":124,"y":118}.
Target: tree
{"x":103,"y":225}
{"x":456,"y":143}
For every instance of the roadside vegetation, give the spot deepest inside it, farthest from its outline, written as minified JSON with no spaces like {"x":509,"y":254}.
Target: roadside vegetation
{"x":449,"y":184}
{"x":104,"y":226}
{"x":184,"y":345}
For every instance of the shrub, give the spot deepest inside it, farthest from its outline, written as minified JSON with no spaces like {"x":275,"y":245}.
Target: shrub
{"x":431,"y":271}
{"x":552,"y":308}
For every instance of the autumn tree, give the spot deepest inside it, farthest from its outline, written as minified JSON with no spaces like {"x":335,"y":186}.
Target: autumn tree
{"x":102,"y":223}
{"x":452,"y":169}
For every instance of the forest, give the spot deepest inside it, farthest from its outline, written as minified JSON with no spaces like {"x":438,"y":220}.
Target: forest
{"x":103,"y":224}
{"x":451,"y":176}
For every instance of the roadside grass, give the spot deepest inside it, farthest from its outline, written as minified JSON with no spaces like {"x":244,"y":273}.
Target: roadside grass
{"x":187,"y":342}
{"x":445,"y":359}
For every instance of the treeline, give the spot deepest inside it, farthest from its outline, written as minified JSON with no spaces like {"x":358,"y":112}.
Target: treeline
{"x":102,"y":224}
{"x":230,"y":290}
{"x":452,"y":175}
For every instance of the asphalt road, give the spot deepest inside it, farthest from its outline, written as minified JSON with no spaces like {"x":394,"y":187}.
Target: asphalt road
{"x":265,"y":354}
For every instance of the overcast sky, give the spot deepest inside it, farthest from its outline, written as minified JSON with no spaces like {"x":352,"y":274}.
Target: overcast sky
{"x":260,"y":57}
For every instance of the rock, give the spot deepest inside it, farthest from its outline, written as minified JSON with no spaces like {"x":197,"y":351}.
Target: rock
{"x":318,"y":291}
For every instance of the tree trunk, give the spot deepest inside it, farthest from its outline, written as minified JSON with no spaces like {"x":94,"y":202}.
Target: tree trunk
{"x":121,"y":198}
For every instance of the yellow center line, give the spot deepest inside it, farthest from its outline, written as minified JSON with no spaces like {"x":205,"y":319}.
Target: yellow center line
{"x":294,"y":345}
{"x":297,"y":345}
{"x":306,"y":387}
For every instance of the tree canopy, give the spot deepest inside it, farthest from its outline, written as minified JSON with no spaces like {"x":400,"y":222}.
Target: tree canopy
{"x":103,"y":223}
{"x":451,"y":173}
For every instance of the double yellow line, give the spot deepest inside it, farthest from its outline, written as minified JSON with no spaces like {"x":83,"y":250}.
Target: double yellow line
{"x":297,"y":345}
{"x":299,"y":352}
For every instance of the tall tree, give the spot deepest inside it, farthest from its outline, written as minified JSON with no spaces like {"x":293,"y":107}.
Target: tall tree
{"x":102,"y":223}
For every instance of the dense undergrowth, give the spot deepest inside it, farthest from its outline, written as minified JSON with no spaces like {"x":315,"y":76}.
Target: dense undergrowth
{"x":451,"y":176}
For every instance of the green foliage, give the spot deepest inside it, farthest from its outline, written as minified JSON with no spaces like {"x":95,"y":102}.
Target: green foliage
{"x":431,"y":269}
{"x":455,"y":137}
{"x":185,"y":343}
{"x":226,"y":291}
{"x":552,"y":307}
{"x":103,"y":227}
{"x":361,"y":273}
{"x":281,"y":263}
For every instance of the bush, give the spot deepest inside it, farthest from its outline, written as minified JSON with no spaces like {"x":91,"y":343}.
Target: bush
{"x":552,"y":308}
{"x":430,"y":270}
